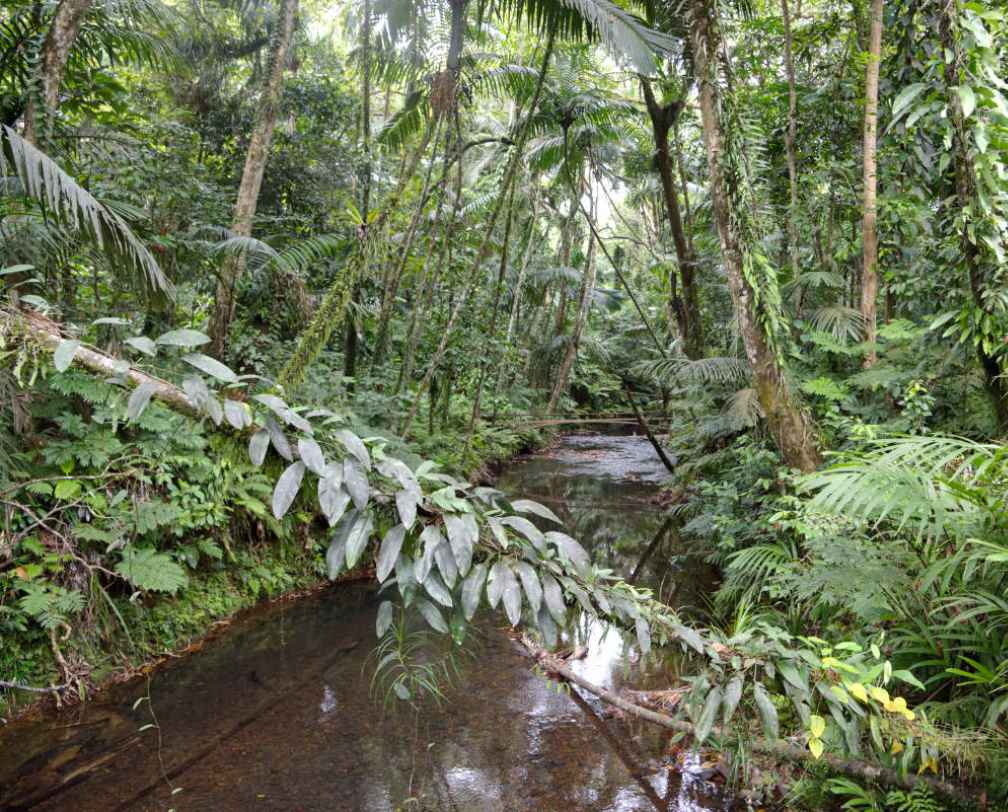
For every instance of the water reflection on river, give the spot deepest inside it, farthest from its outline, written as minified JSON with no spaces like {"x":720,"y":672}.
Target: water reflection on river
{"x":276,"y":714}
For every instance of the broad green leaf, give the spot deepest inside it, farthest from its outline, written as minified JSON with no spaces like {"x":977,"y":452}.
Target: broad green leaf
{"x":138,"y":399}
{"x":570,"y":551}
{"x":437,"y":590}
{"x":512,"y":596}
{"x":967,"y":98}
{"x":389,"y":552}
{"x":548,"y":628}
{"x":643,"y":634}
{"x":311,"y":456}
{"x":689,"y":636}
{"x":732,"y":695}
{"x":432,"y":615}
{"x":258,"y":444}
{"x":472,"y":590}
{"x":358,"y":537}
{"x":287,"y":488}
{"x":406,"y":503}
{"x":211,"y":366}
{"x":336,"y":555}
{"x":463,"y":533}
{"x":768,"y":712}
{"x":531,"y":585}
{"x":237,"y":415}
{"x":497,"y":582}
{"x":400,"y":472}
{"x":183,"y":338}
{"x":64,"y":354}
{"x":356,"y":482}
{"x":527,"y":529}
{"x":705,"y":723}
{"x":279,"y":439}
{"x":142,"y":344}
{"x":528,"y":506}
{"x":905,"y":97}
{"x":553,"y":596}
{"x":445,"y":560}
{"x":432,"y":539}
{"x":355,"y":446}
{"x":384,"y":619}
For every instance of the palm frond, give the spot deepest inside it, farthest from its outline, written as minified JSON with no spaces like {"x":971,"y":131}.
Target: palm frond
{"x":43,"y":180}
{"x":718,"y":369}
{"x":840,"y":321}
{"x":624,"y":34}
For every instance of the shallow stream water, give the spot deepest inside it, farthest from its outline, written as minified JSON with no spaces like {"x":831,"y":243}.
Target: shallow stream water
{"x":277,"y":713}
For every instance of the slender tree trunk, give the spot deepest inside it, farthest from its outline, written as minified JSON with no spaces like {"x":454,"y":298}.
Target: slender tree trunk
{"x":789,"y":426}
{"x":523,"y":268}
{"x":255,"y":166}
{"x":63,"y":30}
{"x":869,"y":274}
{"x":584,"y":307}
{"x":484,"y":249}
{"x":685,"y":307}
{"x":790,"y":137}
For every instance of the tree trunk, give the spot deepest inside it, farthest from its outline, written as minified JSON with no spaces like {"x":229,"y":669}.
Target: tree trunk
{"x":869,"y":274}
{"x":790,"y":137}
{"x":685,"y":307}
{"x":789,"y":426}
{"x":252,"y":175}
{"x":63,"y":31}
{"x":584,"y":307}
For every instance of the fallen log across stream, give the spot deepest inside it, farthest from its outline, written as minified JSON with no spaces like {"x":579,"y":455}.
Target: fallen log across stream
{"x":556,"y":668}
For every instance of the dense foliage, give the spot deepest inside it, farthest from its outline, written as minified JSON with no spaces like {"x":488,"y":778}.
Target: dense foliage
{"x":281,"y":280}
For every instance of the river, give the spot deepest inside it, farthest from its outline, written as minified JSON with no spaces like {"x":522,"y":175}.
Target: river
{"x":277,"y":713}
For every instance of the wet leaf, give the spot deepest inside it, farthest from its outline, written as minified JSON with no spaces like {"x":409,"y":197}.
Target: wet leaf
{"x":358,"y":538}
{"x":733,"y":693}
{"x":279,"y":439}
{"x":643,"y":634}
{"x":544,"y":620}
{"x":705,"y":723}
{"x":336,"y":555}
{"x":258,"y":444}
{"x":287,"y":488}
{"x":64,"y":354}
{"x":311,"y":456}
{"x":512,"y":596}
{"x":355,"y":446}
{"x":183,"y":338}
{"x":553,"y":596}
{"x":570,"y":551}
{"x":527,"y":529}
{"x":528,"y":506}
{"x":142,"y":344}
{"x":333,"y":499}
{"x":431,"y":538}
{"x":689,"y":636}
{"x":236,"y":414}
{"x":406,"y":503}
{"x":496,"y":584}
{"x":405,"y":575}
{"x":384,"y":619}
{"x":138,"y":400}
{"x":211,"y":366}
{"x":437,"y":590}
{"x":463,"y":533}
{"x":356,"y":482}
{"x":400,"y":472}
{"x":768,"y":712}
{"x":472,"y":590}
{"x":530,"y":582}
{"x":445,"y":560}
{"x":388,"y":554}
{"x":432,"y":615}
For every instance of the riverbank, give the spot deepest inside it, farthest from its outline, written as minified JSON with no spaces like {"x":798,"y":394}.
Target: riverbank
{"x":126,"y":635}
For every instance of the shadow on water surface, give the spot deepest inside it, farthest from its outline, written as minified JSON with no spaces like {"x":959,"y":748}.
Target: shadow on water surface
{"x":276,"y":714}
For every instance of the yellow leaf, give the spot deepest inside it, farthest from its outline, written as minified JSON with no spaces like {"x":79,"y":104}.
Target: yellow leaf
{"x":909,"y":715}
{"x":815,"y":746}
{"x":817,"y":725}
{"x":880,"y":694}
{"x":897,"y":747}
{"x":857,"y":690}
{"x":896,"y":705}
